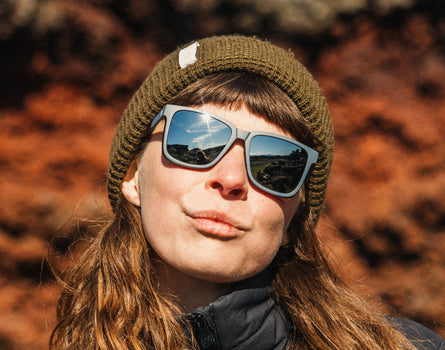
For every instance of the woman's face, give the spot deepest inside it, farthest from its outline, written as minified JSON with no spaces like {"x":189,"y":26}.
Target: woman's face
{"x":210,"y":224}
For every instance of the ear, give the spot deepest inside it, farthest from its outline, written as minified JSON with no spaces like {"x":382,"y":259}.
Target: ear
{"x":130,"y":186}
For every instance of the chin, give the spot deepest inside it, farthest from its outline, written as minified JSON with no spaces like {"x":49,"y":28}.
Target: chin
{"x":224,"y":277}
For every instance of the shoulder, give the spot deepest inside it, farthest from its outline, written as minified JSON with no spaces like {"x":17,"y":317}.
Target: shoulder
{"x":421,"y":337}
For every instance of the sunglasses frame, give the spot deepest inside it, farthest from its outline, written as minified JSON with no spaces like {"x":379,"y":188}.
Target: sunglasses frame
{"x":168,"y":113}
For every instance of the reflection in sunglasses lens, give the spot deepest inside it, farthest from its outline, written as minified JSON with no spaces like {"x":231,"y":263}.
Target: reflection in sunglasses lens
{"x":196,"y":139}
{"x":276,"y":164}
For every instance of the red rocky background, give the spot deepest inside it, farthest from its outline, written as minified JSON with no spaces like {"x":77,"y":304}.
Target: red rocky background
{"x":70,"y":67}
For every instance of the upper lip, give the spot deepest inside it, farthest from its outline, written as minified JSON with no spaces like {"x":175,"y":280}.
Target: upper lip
{"x":218,"y":216}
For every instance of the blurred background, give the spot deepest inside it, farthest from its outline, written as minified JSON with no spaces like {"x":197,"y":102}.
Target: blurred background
{"x":68,"y":69}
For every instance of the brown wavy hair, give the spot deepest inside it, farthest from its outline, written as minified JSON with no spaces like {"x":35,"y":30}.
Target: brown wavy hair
{"x":111,"y":300}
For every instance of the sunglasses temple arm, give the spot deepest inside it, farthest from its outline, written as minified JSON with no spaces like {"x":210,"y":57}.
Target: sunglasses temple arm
{"x":157,"y":118}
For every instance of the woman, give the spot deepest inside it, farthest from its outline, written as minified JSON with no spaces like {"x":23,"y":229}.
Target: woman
{"x":217,"y":178}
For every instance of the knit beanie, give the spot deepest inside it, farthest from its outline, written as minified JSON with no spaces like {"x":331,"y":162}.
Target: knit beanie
{"x":214,"y":55}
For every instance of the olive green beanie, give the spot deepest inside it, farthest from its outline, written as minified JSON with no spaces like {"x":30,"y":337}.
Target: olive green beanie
{"x":222,"y":54}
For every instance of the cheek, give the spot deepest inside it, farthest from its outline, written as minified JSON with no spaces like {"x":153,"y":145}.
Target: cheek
{"x":154,"y":176}
{"x":278,"y":211}
{"x":275,"y":216}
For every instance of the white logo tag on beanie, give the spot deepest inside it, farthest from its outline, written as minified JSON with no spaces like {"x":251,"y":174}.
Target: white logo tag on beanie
{"x":187,"y":55}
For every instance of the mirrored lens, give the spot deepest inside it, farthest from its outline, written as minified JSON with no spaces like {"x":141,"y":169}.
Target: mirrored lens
{"x":197,"y":139}
{"x":277,"y":164}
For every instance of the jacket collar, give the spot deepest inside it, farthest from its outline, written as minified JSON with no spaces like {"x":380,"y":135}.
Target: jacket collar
{"x":246,"y":318}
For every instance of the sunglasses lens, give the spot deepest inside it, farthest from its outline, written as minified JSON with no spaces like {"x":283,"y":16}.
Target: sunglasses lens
{"x":196,"y":139}
{"x":277,"y":164}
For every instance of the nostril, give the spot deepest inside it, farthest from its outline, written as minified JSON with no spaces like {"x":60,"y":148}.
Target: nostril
{"x":236,"y":192}
{"x":216,"y":185}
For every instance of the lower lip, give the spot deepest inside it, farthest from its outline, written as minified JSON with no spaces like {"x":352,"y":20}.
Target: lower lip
{"x":214,"y":228}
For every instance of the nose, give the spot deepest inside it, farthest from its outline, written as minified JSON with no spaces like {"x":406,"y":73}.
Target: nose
{"x":229,"y":175}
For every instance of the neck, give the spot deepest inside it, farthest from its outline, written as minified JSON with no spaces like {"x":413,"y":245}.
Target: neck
{"x":187,"y":291}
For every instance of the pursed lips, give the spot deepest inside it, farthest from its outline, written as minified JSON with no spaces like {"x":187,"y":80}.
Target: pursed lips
{"x":216,"y":224}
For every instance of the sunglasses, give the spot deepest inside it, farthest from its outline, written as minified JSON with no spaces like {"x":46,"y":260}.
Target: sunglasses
{"x":195,"y":139}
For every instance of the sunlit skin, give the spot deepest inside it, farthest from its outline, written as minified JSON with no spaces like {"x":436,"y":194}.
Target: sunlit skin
{"x":209,"y":227}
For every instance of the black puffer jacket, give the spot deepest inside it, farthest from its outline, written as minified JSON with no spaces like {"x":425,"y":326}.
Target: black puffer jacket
{"x":249,"y":319}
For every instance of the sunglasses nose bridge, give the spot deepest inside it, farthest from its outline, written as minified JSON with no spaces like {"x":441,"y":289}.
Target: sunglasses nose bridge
{"x":242,"y":134}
